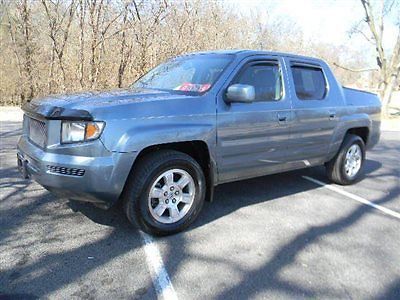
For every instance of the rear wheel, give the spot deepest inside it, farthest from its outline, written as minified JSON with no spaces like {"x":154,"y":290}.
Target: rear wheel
{"x":346,"y":166}
{"x":166,"y":192}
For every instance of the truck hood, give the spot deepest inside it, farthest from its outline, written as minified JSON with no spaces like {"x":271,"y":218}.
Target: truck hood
{"x":82,"y":106}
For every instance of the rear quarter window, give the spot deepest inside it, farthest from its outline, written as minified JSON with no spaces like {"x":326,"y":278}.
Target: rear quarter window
{"x":309,"y":83}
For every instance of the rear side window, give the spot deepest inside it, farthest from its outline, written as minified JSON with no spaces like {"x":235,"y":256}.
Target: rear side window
{"x":265,"y":78}
{"x":309,"y":83}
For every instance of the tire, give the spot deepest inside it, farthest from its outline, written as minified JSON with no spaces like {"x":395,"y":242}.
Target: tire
{"x":153,"y":173}
{"x":336,"y":168}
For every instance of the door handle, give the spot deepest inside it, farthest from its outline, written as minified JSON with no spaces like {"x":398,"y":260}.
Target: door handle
{"x":282,"y":118}
{"x":332,"y":116}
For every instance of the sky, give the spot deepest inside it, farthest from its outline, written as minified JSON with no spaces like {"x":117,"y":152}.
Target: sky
{"x":325,"y":20}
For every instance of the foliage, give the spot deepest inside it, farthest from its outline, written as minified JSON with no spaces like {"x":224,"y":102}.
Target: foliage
{"x":58,"y":46}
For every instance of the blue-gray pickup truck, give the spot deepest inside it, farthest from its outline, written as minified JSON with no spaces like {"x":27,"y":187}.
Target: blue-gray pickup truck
{"x":191,"y":123}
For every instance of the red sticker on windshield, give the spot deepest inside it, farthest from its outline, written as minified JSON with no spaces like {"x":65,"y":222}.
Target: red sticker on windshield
{"x":204,"y":87}
{"x":193,"y":87}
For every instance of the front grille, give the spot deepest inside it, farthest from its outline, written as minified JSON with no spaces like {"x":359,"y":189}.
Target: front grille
{"x":65,"y":171}
{"x":37,"y":132}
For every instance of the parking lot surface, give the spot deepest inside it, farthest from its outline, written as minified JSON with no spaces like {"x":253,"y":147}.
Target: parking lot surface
{"x":281,"y":236}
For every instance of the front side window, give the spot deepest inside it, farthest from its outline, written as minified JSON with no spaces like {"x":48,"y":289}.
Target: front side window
{"x":309,"y":83}
{"x":265,"y":78}
{"x":191,"y":74}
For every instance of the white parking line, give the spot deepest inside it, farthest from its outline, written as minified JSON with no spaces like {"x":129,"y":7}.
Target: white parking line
{"x":354,"y":197}
{"x":158,"y":273}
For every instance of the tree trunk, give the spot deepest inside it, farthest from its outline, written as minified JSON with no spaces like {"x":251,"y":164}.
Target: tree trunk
{"x":93,"y":61}
{"x":28,"y":51}
{"x":387,"y":91}
{"x":123,"y":60}
{"x":51,"y":73}
{"x":82,"y":7}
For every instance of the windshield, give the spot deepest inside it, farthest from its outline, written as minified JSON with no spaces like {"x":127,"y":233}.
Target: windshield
{"x":195,"y":74}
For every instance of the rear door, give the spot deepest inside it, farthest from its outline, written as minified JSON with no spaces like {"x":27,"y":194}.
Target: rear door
{"x":252,"y":137}
{"x":315,"y":112}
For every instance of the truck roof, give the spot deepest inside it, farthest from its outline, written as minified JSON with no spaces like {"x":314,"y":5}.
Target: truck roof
{"x":248,"y":52}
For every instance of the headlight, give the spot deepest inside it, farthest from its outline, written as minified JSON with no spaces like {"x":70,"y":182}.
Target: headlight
{"x":74,"y":132}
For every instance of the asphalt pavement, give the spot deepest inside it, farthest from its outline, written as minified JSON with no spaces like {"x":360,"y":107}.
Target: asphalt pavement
{"x":274,"y":237}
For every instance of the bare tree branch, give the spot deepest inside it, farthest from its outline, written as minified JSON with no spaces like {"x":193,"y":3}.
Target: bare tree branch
{"x":389,"y":71}
{"x":355,"y":70}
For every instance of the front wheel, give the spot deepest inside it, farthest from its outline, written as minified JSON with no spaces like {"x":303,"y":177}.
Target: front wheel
{"x":346,"y":166}
{"x":166,"y":192}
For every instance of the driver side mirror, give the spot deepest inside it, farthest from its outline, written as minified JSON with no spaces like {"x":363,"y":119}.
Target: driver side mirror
{"x":240,"y":93}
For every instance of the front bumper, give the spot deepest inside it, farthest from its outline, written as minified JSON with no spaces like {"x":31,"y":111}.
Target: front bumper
{"x":98,"y":179}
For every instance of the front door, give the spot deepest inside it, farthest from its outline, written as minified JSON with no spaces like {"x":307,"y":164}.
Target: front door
{"x":252,"y":137}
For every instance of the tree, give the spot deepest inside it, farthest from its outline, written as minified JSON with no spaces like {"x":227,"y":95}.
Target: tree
{"x":58,"y":33}
{"x":24,"y":25}
{"x":58,"y":46}
{"x":101,"y":19}
{"x":389,"y":64}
